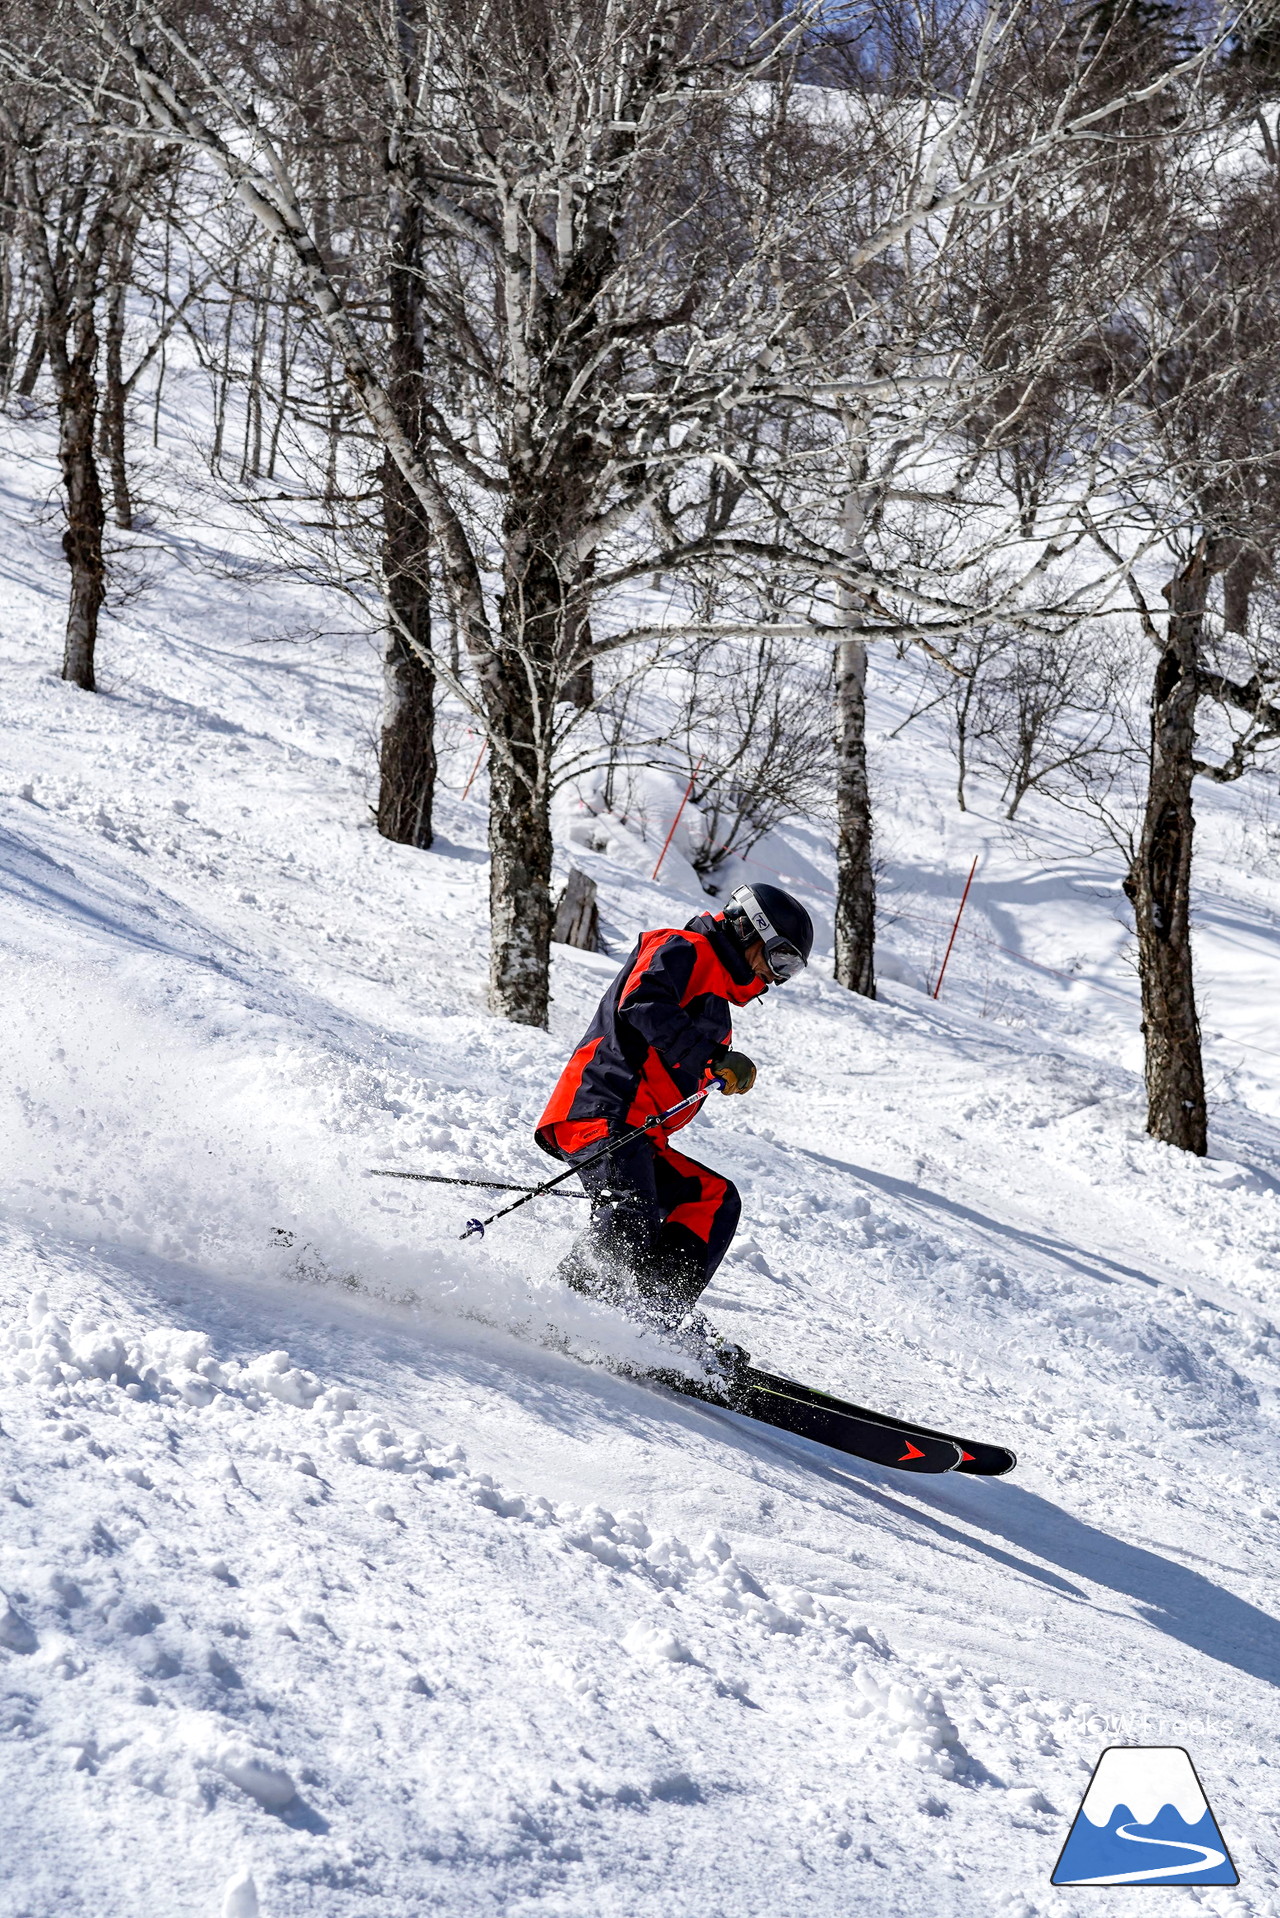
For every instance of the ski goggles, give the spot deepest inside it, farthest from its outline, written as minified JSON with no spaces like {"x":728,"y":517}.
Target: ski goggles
{"x":783,"y":960}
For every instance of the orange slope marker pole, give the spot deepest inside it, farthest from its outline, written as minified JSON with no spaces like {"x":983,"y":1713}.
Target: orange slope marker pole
{"x":484,"y":747}
{"x":955,"y":929}
{"x":675,"y":822}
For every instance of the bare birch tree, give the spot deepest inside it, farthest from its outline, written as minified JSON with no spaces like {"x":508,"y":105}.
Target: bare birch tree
{"x":637,"y":238}
{"x":1200,"y":362}
{"x":961,"y":445}
{"x":76,"y":204}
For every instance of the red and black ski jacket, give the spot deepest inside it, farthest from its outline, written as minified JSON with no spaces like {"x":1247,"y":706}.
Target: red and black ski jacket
{"x":655,"y":1035}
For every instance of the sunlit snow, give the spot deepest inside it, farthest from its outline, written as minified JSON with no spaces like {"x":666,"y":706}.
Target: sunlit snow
{"x":336,"y":1581}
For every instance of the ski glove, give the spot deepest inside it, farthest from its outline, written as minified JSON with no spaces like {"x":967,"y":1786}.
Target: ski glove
{"x":735,"y":1072}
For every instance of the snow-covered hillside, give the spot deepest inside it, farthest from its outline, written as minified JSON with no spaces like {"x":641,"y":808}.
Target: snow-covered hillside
{"x":331,"y":1589}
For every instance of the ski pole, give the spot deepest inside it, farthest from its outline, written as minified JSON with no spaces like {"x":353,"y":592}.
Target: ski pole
{"x":475,"y":1227}
{"x":442,"y":1178}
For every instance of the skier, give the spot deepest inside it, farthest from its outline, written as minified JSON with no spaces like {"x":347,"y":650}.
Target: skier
{"x":660,"y":1222}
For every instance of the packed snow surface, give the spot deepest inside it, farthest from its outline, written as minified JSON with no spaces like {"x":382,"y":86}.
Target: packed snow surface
{"x":336,"y":1578}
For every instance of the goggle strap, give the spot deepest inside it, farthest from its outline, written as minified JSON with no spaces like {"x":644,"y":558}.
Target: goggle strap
{"x":760,"y":919}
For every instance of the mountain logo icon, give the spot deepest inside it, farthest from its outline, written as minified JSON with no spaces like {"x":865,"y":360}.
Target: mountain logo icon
{"x":1144,"y":1821}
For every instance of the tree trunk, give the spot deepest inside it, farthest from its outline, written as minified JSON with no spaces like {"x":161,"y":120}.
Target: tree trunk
{"x":407,"y":752}
{"x":855,"y":877}
{"x":289,"y":344}
{"x":10,"y":306}
{"x":1238,"y":582}
{"x":82,"y":541}
{"x":251,"y":460}
{"x":407,"y":757}
{"x":962,"y":709}
{"x":519,"y":854}
{"x":1159,"y":879}
{"x":539,"y":629}
{"x":222,"y":381}
{"x":34,"y":366}
{"x":113,"y":425}
{"x":576,"y":921}
{"x":580,"y":686}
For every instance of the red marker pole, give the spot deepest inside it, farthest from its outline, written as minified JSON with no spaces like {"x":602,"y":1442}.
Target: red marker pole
{"x":484,"y":747}
{"x":955,"y":929}
{"x":675,"y":822}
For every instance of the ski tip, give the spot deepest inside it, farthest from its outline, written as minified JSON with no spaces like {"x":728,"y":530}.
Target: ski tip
{"x":993,"y":1461}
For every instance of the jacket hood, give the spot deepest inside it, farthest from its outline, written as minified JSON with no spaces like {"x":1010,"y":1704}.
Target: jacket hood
{"x":742,"y":982}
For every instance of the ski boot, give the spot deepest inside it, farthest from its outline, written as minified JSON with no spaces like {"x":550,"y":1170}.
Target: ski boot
{"x":723,"y":1361}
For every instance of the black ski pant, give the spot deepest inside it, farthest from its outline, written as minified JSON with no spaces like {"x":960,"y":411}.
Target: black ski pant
{"x":660,"y":1223}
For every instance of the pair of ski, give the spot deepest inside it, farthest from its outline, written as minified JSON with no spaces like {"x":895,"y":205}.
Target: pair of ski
{"x":854,"y":1429}
{"x":764,"y":1396}
{"x":791,"y":1407}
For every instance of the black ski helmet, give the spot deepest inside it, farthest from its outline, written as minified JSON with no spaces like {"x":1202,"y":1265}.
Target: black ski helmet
{"x":769,"y":914}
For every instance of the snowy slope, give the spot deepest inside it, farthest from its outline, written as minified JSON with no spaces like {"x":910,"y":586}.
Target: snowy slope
{"x":330,"y":1589}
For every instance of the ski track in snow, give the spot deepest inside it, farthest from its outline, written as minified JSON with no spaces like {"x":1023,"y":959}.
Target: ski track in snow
{"x":328,"y":1587}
